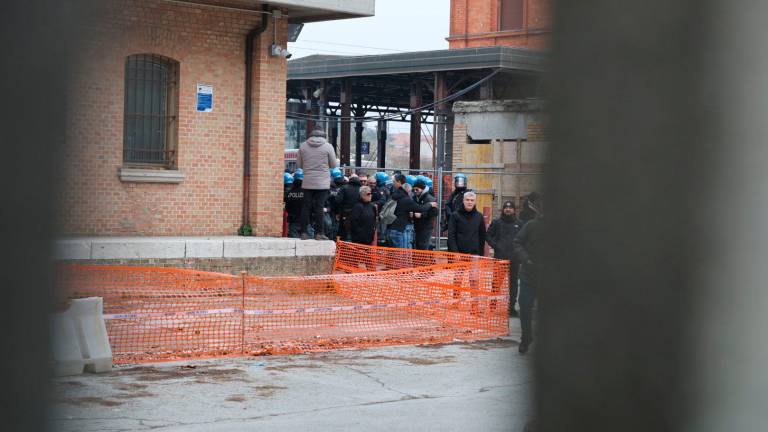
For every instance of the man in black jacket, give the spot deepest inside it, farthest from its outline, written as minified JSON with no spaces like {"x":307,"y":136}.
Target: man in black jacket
{"x":397,"y":232}
{"x":423,"y":223}
{"x":466,"y":228}
{"x":363,"y":218}
{"x":348,"y":196}
{"x":527,"y":245}
{"x":501,"y":232}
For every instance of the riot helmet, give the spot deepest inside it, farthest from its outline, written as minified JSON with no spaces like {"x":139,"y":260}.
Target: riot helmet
{"x":460,"y":181}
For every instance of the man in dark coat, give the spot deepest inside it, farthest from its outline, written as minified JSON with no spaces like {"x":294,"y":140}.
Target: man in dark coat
{"x":527,"y":245}
{"x":315,"y":158}
{"x":423,"y":223}
{"x":527,"y":213}
{"x":466,"y":228}
{"x":363,"y":218}
{"x":398,"y":232}
{"x":348,"y":196}
{"x":501,"y":232}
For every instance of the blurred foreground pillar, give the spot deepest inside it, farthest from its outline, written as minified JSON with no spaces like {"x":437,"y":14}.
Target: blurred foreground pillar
{"x":654,"y":307}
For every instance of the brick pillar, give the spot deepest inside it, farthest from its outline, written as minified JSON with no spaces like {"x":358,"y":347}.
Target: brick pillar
{"x":267,"y":147}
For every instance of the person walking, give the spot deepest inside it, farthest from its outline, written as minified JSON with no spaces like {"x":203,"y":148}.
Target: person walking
{"x":362,"y":220}
{"x":423,"y":223}
{"x":398,"y":234}
{"x":527,"y":246}
{"x":500,"y":235}
{"x":316,"y":157}
{"x":466,"y":228}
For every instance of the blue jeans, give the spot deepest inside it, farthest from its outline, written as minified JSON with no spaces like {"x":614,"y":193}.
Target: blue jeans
{"x":401,"y":239}
{"x":526,"y":299}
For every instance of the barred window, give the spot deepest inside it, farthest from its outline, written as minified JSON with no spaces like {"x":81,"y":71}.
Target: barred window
{"x":511,"y":13}
{"x":151,"y":108}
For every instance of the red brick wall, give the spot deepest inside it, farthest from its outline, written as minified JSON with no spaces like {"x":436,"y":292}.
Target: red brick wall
{"x":209,"y":46}
{"x":474,"y":23}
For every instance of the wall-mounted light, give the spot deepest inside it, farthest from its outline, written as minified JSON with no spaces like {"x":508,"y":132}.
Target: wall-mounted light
{"x":276,"y":50}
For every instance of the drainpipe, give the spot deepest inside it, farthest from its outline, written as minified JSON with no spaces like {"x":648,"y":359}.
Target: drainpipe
{"x":255,"y":32}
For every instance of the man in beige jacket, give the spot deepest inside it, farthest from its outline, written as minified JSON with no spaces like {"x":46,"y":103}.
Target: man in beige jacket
{"x":316,"y":158}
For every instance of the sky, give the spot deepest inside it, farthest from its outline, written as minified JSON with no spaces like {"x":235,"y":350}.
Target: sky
{"x":398,"y":26}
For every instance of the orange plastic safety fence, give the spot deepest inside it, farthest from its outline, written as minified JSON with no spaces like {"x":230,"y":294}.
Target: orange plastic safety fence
{"x":375,"y":299}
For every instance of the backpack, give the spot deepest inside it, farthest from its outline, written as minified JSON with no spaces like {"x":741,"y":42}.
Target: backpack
{"x":387,"y":214}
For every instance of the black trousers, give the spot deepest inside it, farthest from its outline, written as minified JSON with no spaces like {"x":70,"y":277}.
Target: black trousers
{"x":423,"y":238}
{"x":514,"y":269}
{"x":313,"y":203}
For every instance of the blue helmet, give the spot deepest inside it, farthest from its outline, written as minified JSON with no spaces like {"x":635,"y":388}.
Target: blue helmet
{"x":298,"y":175}
{"x":381,"y":178}
{"x":427,"y":181}
{"x":460,"y":180}
{"x":410,"y":179}
{"x":287,"y":179}
{"x":336,"y":173}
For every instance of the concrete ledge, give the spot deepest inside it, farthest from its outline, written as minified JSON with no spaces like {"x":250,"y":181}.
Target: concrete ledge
{"x":314,"y":248}
{"x":204,"y":248}
{"x":135,"y":248}
{"x":151,"y":176}
{"x":240,"y":248}
{"x":71,"y":250}
{"x":143,"y":248}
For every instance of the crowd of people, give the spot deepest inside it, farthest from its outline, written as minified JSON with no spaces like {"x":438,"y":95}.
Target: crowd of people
{"x":401,"y":211}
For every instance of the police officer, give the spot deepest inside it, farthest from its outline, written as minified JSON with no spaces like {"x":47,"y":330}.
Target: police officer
{"x":294,"y":200}
{"x":423,"y":223}
{"x":332,"y":208}
{"x":456,"y":200}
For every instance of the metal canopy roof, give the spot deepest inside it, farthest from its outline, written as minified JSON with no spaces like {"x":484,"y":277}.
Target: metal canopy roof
{"x":512,"y":59}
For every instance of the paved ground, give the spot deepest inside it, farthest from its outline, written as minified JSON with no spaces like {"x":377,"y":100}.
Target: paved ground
{"x":481,"y":386}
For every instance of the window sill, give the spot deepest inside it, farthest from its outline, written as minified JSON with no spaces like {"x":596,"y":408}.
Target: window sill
{"x":135,"y":175}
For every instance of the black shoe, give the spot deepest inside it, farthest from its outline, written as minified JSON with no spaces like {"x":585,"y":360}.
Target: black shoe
{"x":321,"y":237}
{"x":304,"y":236}
{"x":524,"y":345}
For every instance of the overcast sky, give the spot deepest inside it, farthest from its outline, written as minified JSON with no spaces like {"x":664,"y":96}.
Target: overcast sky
{"x":398,"y":26}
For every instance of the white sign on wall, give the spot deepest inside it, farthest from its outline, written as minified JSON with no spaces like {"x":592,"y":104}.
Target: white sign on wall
{"x":204,"y":98}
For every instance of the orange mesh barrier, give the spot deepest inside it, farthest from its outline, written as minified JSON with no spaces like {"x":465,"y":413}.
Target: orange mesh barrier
{"x":412,"y":297}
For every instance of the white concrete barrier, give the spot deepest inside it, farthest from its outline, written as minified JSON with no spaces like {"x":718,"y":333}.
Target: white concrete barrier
{"x":67,"y":357}
{"x":80,"y":339}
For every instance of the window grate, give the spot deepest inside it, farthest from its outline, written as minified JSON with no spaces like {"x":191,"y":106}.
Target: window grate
{"x":150,"y":110}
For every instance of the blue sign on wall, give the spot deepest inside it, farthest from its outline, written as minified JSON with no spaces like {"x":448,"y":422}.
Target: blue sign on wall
{"x":365,"y":147}
{"x":204,"y":98}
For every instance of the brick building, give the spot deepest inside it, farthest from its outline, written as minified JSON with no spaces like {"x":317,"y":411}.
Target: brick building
{"x":158,"y":123}
{"x":504,"y":130}
{"x":515,"y":23}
